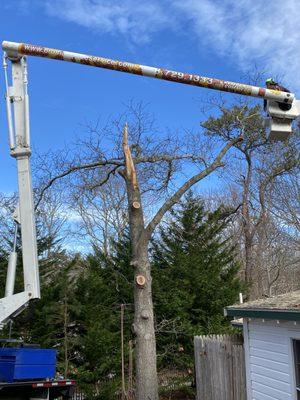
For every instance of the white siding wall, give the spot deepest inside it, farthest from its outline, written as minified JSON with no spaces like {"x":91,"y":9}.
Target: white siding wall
{"x":270,"y":370}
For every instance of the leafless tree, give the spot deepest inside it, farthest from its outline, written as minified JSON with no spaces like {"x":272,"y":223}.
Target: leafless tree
{"x":285,"y":198}
{"x":7,"y":208}
{"x":103,"y":214}
{"x":51,"y":231}
{"x":156,"y":169}
{"x":255,"y":167}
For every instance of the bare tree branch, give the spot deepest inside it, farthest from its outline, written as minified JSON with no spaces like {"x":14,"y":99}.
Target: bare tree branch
{"x":217,"y":163}
{"x":117,"y":162}
{"x":74,"y":169}
{"x":280,"y":170}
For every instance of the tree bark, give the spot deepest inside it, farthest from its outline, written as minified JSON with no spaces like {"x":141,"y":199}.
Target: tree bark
{"x":247,"y":223}
{"x":143,"y":326}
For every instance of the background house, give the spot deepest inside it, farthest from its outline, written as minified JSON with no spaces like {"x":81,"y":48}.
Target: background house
{"x":272,"y":346}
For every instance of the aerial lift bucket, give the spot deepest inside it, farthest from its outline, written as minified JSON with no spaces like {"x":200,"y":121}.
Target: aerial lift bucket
{"x":280,"y":121}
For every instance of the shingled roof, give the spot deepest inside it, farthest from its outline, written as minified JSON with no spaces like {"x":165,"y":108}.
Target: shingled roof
{"x":285,"y":306}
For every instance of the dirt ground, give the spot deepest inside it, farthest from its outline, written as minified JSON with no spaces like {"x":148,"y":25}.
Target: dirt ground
{"x":176,"y":385}
{"x":177,"y":395}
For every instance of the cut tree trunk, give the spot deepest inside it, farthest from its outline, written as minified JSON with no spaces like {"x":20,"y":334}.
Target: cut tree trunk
{"x":146,"y":373}
{"x":143,"y":326}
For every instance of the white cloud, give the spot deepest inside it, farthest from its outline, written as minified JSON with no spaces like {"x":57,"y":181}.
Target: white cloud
{"x":265,"y":33}
{"x":262,"y":32}
{"x":137,"y":20}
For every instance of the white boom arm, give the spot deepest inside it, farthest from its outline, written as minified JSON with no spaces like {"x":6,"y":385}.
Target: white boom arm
{"x":280,"y":121}
{"x":19,"y":140}
{"x":15,"y":50}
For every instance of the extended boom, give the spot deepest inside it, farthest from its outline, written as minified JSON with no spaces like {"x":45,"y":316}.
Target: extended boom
{"x":16,"y":50}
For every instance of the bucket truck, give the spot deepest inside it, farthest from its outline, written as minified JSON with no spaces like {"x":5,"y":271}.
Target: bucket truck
{"x":24,"y":374}
{"x":26,"y":371}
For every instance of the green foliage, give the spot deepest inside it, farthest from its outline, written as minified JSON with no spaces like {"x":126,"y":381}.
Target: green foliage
{"x":104,"y":285}
{"x":237,"y":120}
{"x":178,"y":388}
{"x":195,"y":277}
{"x":25,"y":323}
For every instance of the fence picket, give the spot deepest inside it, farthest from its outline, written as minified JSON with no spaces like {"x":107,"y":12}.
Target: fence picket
{"x":220,"y":367}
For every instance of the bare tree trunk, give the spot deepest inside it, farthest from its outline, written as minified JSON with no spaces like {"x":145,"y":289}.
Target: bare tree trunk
{"x":247,"y":223}
{"x":146,"y":373}
{"x":143,"y":327}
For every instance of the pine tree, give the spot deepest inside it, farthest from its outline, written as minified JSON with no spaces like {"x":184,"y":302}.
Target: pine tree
{"x":52,"y":263}
{"x":54,"y":319}
{"x":105,"y":285}
{"x":195,"y":277}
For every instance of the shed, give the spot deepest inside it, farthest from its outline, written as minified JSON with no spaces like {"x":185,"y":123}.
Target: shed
{"x":272,"y":346}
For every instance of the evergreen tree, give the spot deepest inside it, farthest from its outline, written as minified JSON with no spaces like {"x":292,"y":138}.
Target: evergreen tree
{"x":50,"y":263}
{"x":195,"y":277}
{"x":105,"y":285}
{"x":54,"y":318}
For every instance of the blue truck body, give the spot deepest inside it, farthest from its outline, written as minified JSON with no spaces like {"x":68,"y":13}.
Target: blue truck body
{"x":21,"y":364}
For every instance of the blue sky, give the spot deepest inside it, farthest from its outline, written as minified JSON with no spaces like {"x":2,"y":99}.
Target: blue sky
{"x":223,"y":39}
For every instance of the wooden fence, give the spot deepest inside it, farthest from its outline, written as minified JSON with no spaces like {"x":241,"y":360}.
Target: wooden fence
{"x":220,"y":367}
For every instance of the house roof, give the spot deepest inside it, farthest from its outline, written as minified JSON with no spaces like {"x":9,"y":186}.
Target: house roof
{"x":285,"y":306}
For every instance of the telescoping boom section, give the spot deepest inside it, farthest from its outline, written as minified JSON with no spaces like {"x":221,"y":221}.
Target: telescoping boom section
{"x":280,"y":121}
{"x":17,"y":104}
{"x":16,"y":50}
